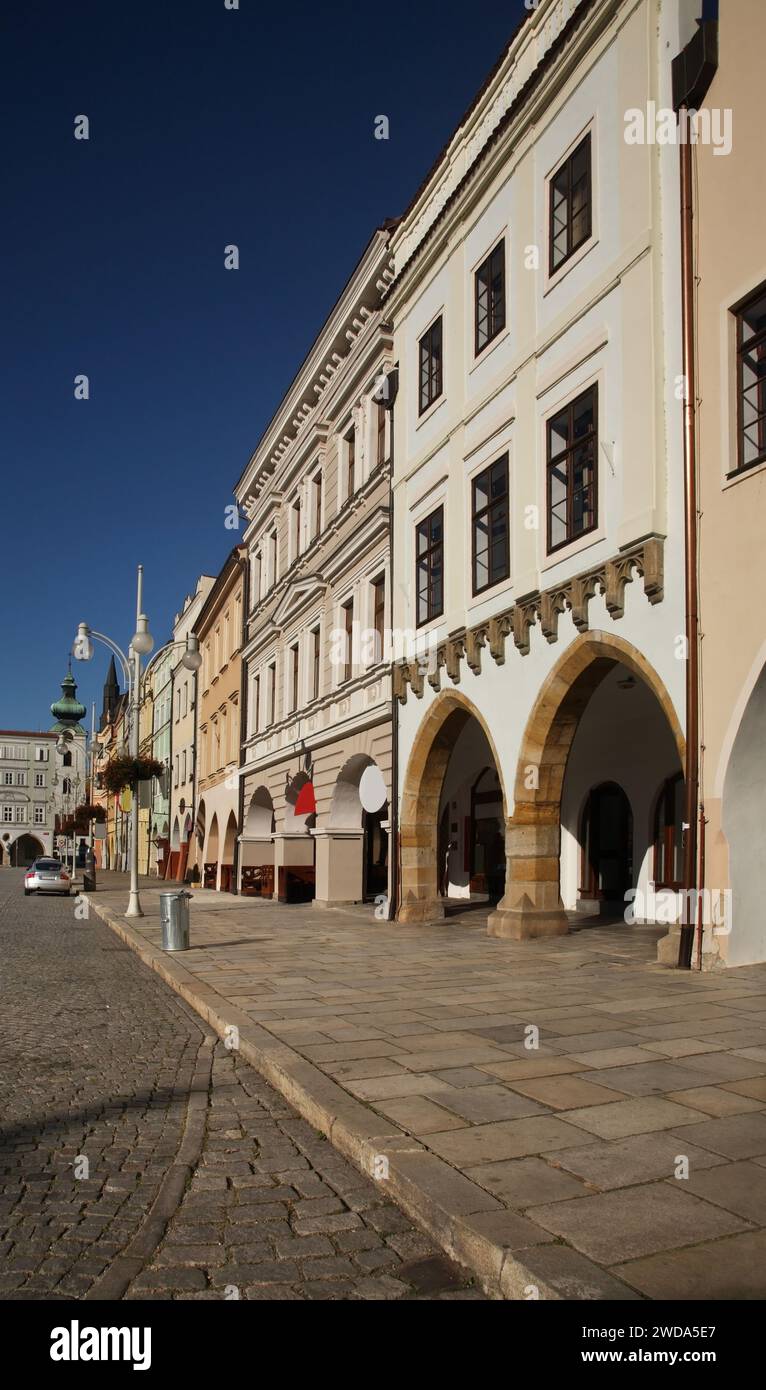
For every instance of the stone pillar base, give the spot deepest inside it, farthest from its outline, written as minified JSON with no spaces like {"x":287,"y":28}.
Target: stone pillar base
{"x":421,"y":910}
{"x":526,"y":926}
{"x":667,"y":947}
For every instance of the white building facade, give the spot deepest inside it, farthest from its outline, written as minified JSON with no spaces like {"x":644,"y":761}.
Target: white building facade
{"x":538,"y":486}
{"x":316,"y":728}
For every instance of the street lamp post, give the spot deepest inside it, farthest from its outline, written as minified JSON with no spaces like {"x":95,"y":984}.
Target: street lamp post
{"x":140,"y":645}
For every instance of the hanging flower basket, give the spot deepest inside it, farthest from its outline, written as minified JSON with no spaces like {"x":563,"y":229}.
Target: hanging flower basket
{"x":90,"y":811}
{"x":125,"y":771}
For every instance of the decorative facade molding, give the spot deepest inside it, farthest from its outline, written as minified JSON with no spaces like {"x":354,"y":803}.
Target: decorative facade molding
{"x":573,"y":596}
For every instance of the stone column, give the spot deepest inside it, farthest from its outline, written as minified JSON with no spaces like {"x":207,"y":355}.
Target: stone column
{"x":339,"y":866}
{"x":531,"y":905}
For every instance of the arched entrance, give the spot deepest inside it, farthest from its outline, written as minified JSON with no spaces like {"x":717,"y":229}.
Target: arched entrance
{"x":227,"y":883}
{"x":743,"y":820}
{"x":25,"y":850}
{"x":452,"y":761}
{"x":356,"y":851}
{"x":257,"y":846}
{"x":606,"y":843}
{"x":210,"y":865}
{"x":532,"y":904}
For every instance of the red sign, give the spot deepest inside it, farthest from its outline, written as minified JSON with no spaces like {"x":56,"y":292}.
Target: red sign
{"x":307,"y":803}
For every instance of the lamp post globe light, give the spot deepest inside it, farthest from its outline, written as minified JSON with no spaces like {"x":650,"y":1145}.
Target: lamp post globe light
{"x":141,"y":644}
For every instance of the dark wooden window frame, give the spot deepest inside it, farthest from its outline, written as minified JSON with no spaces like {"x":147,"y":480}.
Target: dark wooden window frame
{"x":315,"y":661}
{"x":317,"y":487}
{"x":381,"y":434}
{"x":555,"y":460}
{"x":348,"y":627}
{"x":257,"y":704}
{"x":496,"y":314}
{"x":566,"y":167}
{"x":487,"y":511}
{"x":379,"y":614}
{"x":295,"y":666}
{"x":432,"y":549}
{"x":431,"y":385}
{"x":272,"y":692}
{"x":743,"y":345}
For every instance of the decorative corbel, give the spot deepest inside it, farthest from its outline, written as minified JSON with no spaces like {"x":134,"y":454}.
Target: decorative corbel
{"x":475,"y":639}
{"x":399,"y":683}
{"x":583,"y":589}
{"x":499,"y":629}
{"x":434,"y":667}
{"x":455,"y":651}
{"x":522,"y":619}
{"x":552,"y":603}
{"x":619,"y":573}
{"x":652,"y":568}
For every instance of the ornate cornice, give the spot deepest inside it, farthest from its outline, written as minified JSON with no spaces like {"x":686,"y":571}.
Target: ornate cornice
{"x":545,"y":608}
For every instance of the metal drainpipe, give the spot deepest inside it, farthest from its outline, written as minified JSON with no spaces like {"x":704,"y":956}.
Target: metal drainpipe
{"x":690,"y":529}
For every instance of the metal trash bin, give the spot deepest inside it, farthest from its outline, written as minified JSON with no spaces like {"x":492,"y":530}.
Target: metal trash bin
{"x":174,"y":916}
{"x":89,"y":880}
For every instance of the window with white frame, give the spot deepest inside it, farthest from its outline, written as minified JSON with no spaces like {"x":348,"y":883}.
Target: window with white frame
{"x":21,"y":814}
{"x":7,"y":814}
{"x":41,"y":755}
{"x":39,"y":779}
{"x":7,"y":779}
{"x":39,"y":815}
{"x":183,"y":767}
{"x":21,"y":779}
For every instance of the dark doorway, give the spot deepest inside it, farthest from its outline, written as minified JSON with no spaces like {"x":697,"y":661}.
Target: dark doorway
{"x":487,"y":837}
{"x":606,"y":838}
{"x":25,"y":850}
{"x":375,"y":853}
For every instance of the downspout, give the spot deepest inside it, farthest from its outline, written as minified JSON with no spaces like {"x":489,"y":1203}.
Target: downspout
{"x":195,"y":751}
{"x":394,"y":848}
{"x":693,"y":71}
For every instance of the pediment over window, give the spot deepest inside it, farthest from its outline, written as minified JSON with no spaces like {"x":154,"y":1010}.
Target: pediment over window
{"x":297,"y":596}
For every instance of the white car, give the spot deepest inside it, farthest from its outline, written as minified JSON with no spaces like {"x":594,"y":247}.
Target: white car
{"x":47,"y":876}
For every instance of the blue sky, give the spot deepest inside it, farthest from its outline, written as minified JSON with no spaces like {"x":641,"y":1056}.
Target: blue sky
{"x":208,"y":127}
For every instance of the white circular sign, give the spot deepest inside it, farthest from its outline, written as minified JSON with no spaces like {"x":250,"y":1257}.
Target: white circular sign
{"x":372,"y":789}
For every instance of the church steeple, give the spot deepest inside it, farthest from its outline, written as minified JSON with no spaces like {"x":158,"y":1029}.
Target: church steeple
{"x":68,"y":711}
{"x":111,"y":694}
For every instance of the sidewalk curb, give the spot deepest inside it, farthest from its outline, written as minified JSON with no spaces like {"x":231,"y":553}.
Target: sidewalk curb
{"x":444,"y":1203}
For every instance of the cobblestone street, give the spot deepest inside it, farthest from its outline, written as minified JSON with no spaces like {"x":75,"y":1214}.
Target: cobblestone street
{"x":201,"y":1181}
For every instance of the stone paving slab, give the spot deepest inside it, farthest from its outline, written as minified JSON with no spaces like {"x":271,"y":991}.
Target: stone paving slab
{"x":608,"y":1049}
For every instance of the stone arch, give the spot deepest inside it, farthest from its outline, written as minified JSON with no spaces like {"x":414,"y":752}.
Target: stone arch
{"x":532,"y":903}
{"x":26,"y":849}
{"x":230,"y":838}
{"x":423,"y":781}
{"x":211,"y":853}
{"x":175,"y":839}
{"x":743,"y":807}
{"x":260,"y":820}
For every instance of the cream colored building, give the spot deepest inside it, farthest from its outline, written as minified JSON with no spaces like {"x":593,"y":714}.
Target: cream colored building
{"x":316,"y":738}
{"x":183,"y":737}
{"x":730,"y":272}
{"x":538,"y":485}
{"x":218,"y":627}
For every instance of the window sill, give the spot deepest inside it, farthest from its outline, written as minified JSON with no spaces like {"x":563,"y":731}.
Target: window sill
{"x":552,"y":281}
{"x":738,"y":475}
{"x":431,"y":411}
{"x":481,"y":357}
